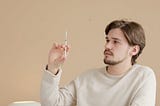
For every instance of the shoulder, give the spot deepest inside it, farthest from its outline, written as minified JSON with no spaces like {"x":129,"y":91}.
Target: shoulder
{"x":143,"y":71}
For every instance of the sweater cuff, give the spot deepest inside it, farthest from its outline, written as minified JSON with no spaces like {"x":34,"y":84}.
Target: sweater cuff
{"x":51,"y":78}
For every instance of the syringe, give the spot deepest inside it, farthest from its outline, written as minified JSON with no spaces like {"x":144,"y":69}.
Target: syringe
{"x":65,"y":43}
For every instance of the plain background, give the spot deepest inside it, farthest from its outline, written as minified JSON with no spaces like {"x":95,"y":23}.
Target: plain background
{"x":28,"y":29}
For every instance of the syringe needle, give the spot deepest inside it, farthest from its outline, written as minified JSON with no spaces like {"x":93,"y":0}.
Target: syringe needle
{"x":65,"y":51}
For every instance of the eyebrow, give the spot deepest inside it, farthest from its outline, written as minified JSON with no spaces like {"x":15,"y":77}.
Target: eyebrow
{"x":113,"y":38}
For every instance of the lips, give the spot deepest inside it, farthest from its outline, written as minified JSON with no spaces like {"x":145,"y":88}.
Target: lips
{"x":106,"y":52}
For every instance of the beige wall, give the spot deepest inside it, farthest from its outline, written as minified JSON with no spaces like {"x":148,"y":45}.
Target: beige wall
{"x":28,"y":29}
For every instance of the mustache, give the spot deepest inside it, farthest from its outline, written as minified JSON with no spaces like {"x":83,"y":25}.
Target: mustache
{"x":107,"y":51}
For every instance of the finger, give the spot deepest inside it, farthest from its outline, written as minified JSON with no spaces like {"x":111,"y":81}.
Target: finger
{"x":59,"y":46}
{"x":59,"y":61}
{"x":68,"y":47}
{"x":54,"y":45}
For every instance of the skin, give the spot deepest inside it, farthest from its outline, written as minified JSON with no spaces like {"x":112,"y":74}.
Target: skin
{"x":56,"y":57}
{"x":118,"y":52}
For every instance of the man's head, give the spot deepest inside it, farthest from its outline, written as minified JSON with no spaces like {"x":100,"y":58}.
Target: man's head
{"x":134,"y":35}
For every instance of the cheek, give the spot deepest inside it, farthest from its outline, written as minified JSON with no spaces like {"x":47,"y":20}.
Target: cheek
{"x":121,"y":52}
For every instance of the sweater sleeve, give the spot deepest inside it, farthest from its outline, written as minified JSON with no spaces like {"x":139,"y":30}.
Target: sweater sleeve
{"x":52,"y":95}
{"x":146,"y":95}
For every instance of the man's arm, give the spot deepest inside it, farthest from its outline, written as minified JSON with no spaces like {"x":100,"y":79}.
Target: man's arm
{"x":51,"y":94}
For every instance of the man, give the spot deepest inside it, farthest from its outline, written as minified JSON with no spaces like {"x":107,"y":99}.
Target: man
{"x":122,"y":82}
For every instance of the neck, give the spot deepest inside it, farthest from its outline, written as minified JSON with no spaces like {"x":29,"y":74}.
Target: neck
{"x":120,"y":68}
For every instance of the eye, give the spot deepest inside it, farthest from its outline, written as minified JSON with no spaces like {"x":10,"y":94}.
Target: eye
{"x":115,"y":42}
{"x":107,"y":40}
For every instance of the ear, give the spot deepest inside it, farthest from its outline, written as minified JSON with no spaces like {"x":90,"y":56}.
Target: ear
{"x":134,"y":50}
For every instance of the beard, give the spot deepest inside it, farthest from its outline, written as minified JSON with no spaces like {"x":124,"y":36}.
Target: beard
{"x":112,"y":62}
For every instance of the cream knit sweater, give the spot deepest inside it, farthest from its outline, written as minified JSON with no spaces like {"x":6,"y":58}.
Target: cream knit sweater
{"x":96,"y":87}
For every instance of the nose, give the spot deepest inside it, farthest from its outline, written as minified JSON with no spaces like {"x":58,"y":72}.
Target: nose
{"x":108,"y":45}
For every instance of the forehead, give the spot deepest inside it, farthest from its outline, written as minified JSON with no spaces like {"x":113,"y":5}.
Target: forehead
{"x":116,"y":33}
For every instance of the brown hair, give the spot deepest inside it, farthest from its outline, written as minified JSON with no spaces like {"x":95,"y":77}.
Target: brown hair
{"x":132,"y":31}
